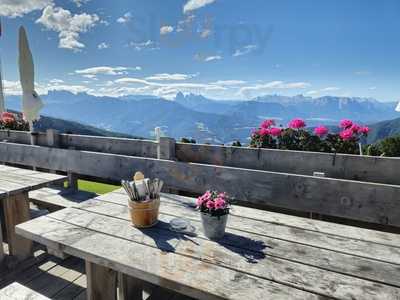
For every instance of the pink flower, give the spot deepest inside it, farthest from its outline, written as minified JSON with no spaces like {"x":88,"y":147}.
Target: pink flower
{"x":200,"y":201}
{"x":220,"y":203}
{"x":321,"y":131}
{"x":267,"y":124}
{"x":264,"y":131}
{"x":345,"y":124}
{"x":346,"y":134}
{"x":364,"y":130}
{"x":210,"y":204}
{"x":7,"y":117}
{"x":297,"y":124}
{"x":276,"y":131}
{"x":355,"y":128}
{"x":222,"y":195}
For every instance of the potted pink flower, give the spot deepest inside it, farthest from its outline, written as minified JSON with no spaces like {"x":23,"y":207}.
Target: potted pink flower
{"x":214,"y":208}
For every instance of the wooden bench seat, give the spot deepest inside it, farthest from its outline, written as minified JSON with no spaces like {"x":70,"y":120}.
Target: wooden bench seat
{"x":16,"y":291}
{"x":54,"y":199}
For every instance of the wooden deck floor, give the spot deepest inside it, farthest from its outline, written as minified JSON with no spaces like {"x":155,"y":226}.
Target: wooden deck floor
{"x":58,"y":279}
{"x":49,"y":276}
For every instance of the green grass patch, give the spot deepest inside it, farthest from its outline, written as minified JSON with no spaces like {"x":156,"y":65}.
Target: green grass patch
{"x":96,"y":187}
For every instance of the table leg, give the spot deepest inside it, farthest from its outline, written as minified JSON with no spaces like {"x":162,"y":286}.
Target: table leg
{"x":101,"y":282}
{"x":130,"y":288}
{"x":16,"y":211}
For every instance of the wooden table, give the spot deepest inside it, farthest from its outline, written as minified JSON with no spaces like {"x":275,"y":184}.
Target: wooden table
{"x":264,"y":255}
{"x":15,"y":183}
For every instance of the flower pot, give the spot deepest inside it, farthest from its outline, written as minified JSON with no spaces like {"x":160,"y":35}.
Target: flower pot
{"x":144,"y":214}
{"x":214,"y":226}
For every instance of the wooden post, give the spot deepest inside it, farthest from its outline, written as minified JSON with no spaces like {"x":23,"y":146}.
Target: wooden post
{"x":101,"y":282}
{"x":72,"y":178}
{"x":53,"y":138}
{"x":16,"y":211}
{"x":53,"y":141}
{"x":129,"y":288}
{"x":1,"y":245}
{"x":166,"y":150}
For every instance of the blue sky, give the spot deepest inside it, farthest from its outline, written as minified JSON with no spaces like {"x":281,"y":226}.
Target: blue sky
{"x":224,"y":49}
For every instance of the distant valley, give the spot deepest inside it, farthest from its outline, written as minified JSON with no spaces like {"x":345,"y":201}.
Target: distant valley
{"x":203,"y":119}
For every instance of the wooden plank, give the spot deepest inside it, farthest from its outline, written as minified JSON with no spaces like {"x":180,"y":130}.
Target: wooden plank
{"x":73,"y":290}
{"x":16,"y":211}
{"x":17,"y":291}
{"x":129,"y":288}
{"x":376,"y":203}
{"x":123,"y":146}
{"x":101,"y":282}
{"x":343,"y":244}
{"x":351,"y":167}
{"x":168,"y":270}
{"x":330,"y":228}
{"x":255,"y":260}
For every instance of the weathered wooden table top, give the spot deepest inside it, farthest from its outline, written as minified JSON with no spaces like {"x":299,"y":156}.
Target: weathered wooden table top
{"x":264,"y":255}
{"x":15,"y":180}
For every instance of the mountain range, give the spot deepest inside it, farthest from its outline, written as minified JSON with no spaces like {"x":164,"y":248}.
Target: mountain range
{"x":206,"y":120}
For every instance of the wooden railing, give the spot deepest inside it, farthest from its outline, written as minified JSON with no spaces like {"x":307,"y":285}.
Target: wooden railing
{"x":196,"y":168}
{"x":340,"y":166}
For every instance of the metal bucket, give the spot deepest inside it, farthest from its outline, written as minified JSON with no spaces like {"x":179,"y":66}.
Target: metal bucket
{"x":214,"y":227}
{"x":144,"y":214}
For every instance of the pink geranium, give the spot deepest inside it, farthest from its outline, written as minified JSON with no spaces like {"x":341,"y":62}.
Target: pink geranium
{"x":355,"y":128}
{"x":297,"y":124}
{"x":321,"y":131}
{"x":7,"y":117}
{"x":219,"y":203}
{"x":346,"y":134}
{"x":364,"y":130}
{"x":267,"y":124}
{"x":210,"y":204}
{"x":276,"y":131}
{"x":345,"y":124}
{"x":264,"y":131}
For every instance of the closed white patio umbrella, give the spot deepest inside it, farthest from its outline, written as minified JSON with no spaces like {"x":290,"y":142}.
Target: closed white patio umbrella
{"x":31,"y":102}
{"x":2,"y":106}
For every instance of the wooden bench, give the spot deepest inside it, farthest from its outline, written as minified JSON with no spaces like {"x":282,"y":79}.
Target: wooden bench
{"x":16,"y":291}
{"x":54,"y":199}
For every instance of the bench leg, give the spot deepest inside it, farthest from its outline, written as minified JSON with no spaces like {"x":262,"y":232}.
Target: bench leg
{"x":16,"y":211}
{"x":129,"y":288}
{"x":101,"y":282}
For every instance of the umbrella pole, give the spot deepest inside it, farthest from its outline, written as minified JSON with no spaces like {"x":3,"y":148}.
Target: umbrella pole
{"x":33,"y":136}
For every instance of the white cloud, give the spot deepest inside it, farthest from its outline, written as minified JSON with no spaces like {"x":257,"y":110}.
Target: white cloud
{"x":207,"y":58}
{"x":362,"y":73}
{"x":171,"y":77}
{"x":74,"y":89}
{"x":273,"y":85}
{"x":166,"y":30}
{"x":205,"y":33}
{"x":55,"y":81}
{"x":79,"y":3}
{"x":323,"y":91}
{"x":245,"y":50}
{"x":127,"y":17}
{"x":192,"y":5}
{"x":229,"y":82}
{"x":17,"y":8}
{"x":372,"y":88}
{"x":149,"y":45}
{"x":68,"y":26}
{"x":103,"y":70}
{"x":103,"y":45}
{"x":330,"y":89}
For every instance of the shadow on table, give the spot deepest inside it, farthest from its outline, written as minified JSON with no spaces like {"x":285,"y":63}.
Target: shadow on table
{"x":167,"y":240}
{"x":252,"y":250}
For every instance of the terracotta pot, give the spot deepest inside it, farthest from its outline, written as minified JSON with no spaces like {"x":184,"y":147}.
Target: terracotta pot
{"x":144,"y":214}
